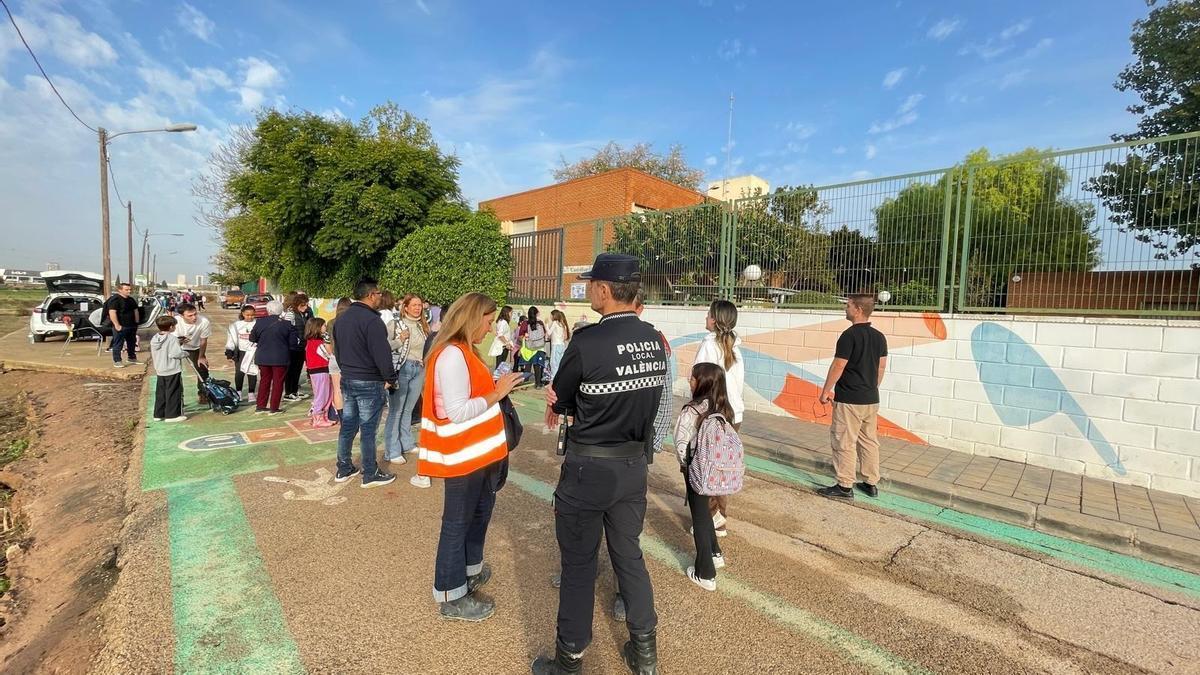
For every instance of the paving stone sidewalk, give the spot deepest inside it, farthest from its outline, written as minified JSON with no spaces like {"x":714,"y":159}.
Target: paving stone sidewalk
{"x":1150,"y":523}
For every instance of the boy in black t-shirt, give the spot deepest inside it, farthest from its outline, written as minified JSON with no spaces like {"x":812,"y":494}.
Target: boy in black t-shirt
{"x":853,"y":385}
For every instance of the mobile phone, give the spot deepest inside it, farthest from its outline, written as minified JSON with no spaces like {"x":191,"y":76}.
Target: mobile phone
{"x":562,"y":435}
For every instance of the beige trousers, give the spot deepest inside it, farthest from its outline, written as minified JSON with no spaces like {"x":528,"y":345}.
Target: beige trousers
{"x":855,"y":434}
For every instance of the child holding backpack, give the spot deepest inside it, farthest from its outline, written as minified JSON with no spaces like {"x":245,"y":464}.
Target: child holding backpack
{"x":711,"y":458}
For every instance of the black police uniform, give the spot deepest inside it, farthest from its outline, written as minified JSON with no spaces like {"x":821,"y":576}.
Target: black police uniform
{"x":611,"y":379}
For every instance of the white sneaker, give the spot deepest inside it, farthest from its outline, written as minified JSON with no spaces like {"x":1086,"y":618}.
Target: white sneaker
{"x":719,"y":560}
{"x":722,"y":533}
{"x":706,"y":584}
{"x":160,"y":419}
{"x":181,"y":418}
{"x":252,"y":398}
{"x":718,"y":520}
{"x":398,"y":459}
{"x":420,"y":481}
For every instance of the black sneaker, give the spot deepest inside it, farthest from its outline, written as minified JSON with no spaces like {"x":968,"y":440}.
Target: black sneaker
{"x":380,"y":479}
{"x":477,"y":581}
{"x":867,"y":489}
{"x":836,"y":491}
{"x":344,"y":475}
{"x":468,"y":608}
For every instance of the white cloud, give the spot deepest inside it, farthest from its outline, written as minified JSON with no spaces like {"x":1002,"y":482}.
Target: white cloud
{"x":911,"y":102}
{"x":800,"y":130}
{"x":710,"y":161}
{"x":870,"y":151}
{"x":944,"y":29}
{"x":346,"y":101}
{"x":894,"y":77}
{"x":1013,"y":79}
{"x":259,"y":77}
{"x":906,"y":114}
{"x":423,"y":7}
{"x":195,"y":22}
{"x":839,"y":150}
{"x":496,"y":98}
{"x":1041,"y":46}
{"x":333,"y":113}
{"x":62,"y":35}
{"x":729,"y":49}
{"x":1015,"y":29}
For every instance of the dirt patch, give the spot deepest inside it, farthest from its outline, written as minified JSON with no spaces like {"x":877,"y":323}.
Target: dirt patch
{"x":69,"y":504}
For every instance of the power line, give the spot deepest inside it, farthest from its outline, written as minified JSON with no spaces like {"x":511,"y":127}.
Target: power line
{"x":113,"y":175}
{"x":43,"y":70}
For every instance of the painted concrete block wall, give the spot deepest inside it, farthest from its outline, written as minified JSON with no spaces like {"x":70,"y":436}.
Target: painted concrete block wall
{"x":1109,"y":398}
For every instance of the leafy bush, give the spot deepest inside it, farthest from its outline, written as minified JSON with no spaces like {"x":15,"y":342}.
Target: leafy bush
{"x":913,"y":293}
{"x":463,"y":252}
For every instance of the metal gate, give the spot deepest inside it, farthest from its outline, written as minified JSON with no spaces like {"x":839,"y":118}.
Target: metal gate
{"x":537,"y":266}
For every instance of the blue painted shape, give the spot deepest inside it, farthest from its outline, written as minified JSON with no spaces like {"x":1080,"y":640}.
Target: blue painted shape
{"x":1008,"y":386}
{"x":1033,"y":398}
{"x":992,"y":352}
{"x":764,"y":374}
{"x":1013,"y":417}
{"x":1002,"y":374}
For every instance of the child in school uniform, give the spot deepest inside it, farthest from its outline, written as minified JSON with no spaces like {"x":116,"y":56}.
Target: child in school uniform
{"x":168,"y":356}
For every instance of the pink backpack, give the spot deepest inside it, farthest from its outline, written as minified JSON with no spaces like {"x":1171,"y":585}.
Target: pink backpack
{"x":718,"y":462}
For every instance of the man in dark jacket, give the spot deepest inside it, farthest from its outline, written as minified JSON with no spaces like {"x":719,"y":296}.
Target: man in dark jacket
{"x":360,"y":344}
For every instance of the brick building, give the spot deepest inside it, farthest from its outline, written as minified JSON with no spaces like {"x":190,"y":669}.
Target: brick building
{"x":573,"y":216}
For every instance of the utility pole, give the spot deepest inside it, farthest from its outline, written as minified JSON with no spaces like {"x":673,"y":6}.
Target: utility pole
{"x":105,"y":261}
{"x":728,"y":152}
{"x":130,"y":233}
{"x":154,"y":271}
{"x":145,"y":243}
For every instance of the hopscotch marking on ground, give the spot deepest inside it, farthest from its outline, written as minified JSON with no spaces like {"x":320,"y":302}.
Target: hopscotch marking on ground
{"x":294,"y":429}
{"x":321,"y":489}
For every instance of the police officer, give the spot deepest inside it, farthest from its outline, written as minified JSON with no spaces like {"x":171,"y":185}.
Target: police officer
{"x":610,"y":379}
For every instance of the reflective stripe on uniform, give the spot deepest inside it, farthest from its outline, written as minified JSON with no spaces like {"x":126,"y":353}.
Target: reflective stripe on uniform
{"x":454,"y":428}
{"x":621,"y":386}
{"x":466,"y":454}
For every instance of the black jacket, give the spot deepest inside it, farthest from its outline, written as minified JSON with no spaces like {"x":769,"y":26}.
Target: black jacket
{"x":300,"y":320}
{"x":276,"y":339}
{"x":360,"y":345}
{"x":612,"y":376}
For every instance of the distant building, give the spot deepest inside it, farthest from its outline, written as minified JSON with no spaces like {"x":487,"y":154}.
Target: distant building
{"x":738,"y":187}
{"x":12,"y":276}
{"x":181,"y":280}
{"x":546,"y":265}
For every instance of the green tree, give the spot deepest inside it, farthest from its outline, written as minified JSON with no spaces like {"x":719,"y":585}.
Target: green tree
{"x":1155,"y":192}
{"x":1022,"y":219}
{"x":457,"y":252}
{"x":318,"y":200}
{"x":671,"y":166}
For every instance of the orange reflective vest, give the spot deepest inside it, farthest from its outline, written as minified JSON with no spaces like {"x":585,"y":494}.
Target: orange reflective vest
{"x":448,"y":449}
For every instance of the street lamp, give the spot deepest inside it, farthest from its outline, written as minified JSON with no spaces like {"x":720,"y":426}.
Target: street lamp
{"x":104,"y":137}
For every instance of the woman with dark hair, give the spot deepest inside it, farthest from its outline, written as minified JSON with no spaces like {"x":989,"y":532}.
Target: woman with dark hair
{"x":335,"y":372}
{"x":708,"y":397}
{"x":502,"y":343}
{"x":533,"y":346}
{"x":297,"y":311}
{"x":722,"y":347}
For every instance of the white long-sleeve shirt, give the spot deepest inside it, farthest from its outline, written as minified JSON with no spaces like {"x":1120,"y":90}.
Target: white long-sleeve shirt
{"x":452,"y":388}
{"x":238,"y":335}
{"x":735,"y":375}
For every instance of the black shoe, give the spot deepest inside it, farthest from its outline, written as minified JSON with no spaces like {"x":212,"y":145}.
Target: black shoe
{"x":468,"y":608}
{"x":379,"y":479}
{"x":641,"y":654}
{"x":563,"y":663}
{"x":618,"y":608}
{"x":867,"y":489}
{"x":475,"y":582}
{"x":343,"y":475}
{"x":836,"y":491}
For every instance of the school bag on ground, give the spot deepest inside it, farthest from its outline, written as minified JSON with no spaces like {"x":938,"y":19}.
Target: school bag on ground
{"x":717,"y":462}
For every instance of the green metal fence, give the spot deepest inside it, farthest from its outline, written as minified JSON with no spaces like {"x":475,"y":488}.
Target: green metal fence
{"x":1106,"y":230}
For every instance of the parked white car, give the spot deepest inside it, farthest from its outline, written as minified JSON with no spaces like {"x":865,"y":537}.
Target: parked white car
{"x":76,"y":296}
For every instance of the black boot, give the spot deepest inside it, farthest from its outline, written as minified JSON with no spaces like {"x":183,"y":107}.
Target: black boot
{"x":563,"y":663}
{"x":537,"y":377}
{"x":641,"y":654}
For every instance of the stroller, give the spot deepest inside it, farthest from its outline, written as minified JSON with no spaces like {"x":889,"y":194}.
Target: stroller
{"x":222,"y":397}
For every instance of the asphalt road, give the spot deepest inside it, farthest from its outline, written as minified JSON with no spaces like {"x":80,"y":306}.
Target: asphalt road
{"x":228,"y":568}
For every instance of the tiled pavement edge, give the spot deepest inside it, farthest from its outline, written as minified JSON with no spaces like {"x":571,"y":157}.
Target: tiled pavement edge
{"x":1151,"y":524}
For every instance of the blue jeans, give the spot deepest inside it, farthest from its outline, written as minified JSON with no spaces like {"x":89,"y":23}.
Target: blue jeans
{"x":127,"y":336}
{"x":398,"y":435}
{"x":363,"y":406}
{"x":466,"y":513}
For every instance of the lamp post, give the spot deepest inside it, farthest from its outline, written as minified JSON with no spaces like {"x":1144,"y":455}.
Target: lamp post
{"x":146,"y":248}
{"x":105,"y":139}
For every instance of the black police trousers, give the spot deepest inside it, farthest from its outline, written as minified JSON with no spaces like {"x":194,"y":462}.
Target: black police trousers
{"x":596,"y":496}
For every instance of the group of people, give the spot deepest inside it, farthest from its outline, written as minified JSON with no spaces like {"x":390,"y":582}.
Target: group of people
{"x":610,"y":384}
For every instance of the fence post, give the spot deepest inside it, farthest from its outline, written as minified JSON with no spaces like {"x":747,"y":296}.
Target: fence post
{"x":598,"y":238}
{"x":724,"y":263}
{"x":948,"y":203}
{"x":964,"y":259}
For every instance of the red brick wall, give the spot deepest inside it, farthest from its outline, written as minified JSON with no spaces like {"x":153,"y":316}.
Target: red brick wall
{"x":607,"y":195}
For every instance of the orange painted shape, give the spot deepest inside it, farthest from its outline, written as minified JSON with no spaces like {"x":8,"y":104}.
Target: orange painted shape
{"x":265,"y":435}
{"x":800,"y":399}
{"x":937,"y":327}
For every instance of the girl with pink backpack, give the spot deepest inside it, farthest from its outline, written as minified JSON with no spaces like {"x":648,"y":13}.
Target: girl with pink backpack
{"x":712,"y":461}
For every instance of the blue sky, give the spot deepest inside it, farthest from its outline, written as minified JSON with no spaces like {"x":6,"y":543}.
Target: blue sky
{"x":824,"y":92}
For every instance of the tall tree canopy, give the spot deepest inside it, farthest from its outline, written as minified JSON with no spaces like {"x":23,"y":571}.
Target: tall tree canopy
{"x":1022,"y":219}
{"x":1155,"y":191}
{"x":317,"y":201}
{"x":671,"y":166}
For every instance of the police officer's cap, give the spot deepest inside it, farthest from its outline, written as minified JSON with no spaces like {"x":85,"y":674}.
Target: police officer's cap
{"x":616,"y":267}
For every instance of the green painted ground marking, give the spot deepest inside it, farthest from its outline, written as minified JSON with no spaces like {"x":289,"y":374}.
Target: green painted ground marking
{"x":227,"y":618}
{"x":1084,"y":555}
{"x":852,"y":646}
